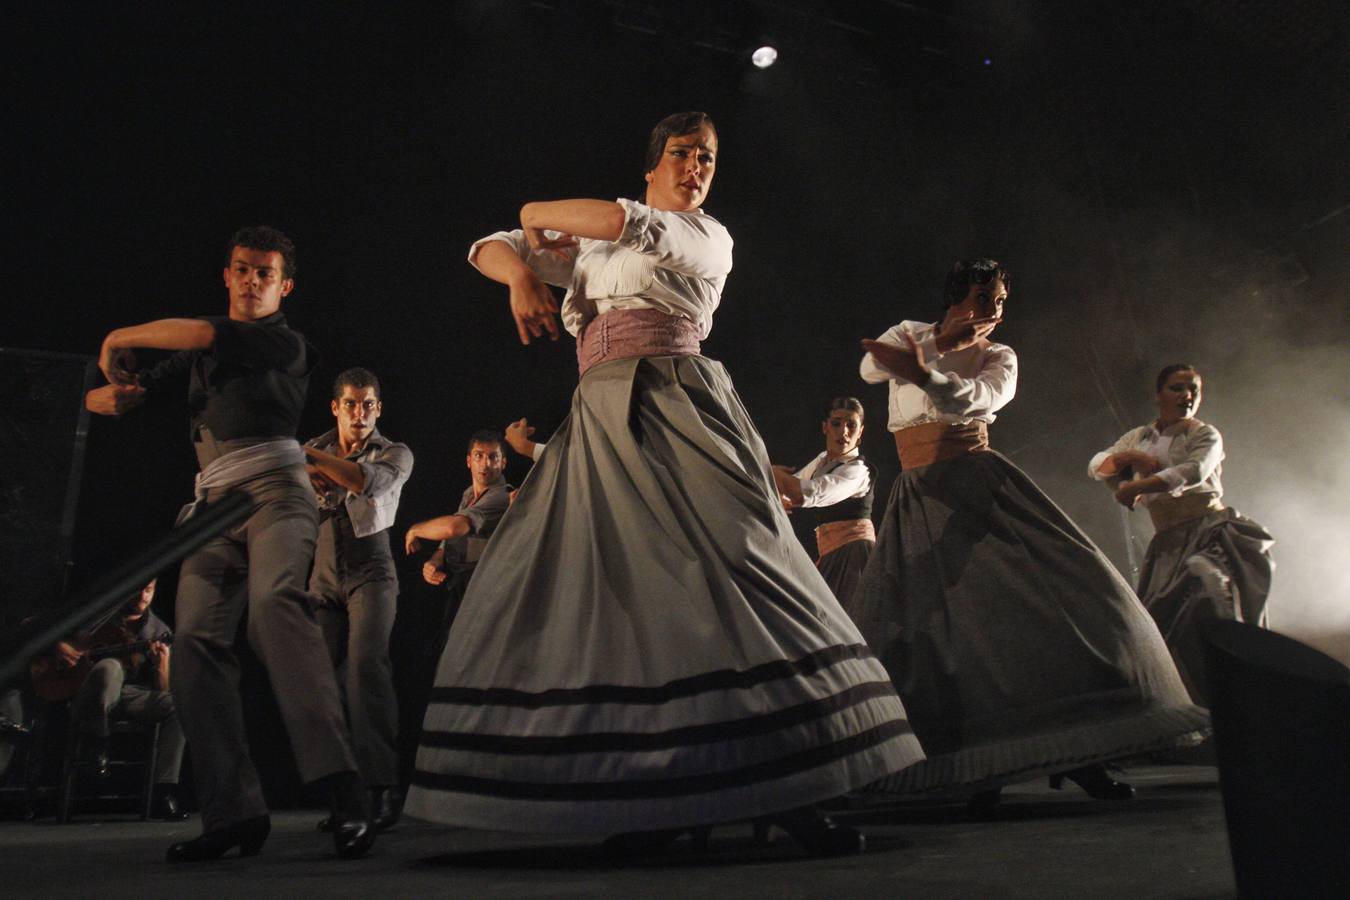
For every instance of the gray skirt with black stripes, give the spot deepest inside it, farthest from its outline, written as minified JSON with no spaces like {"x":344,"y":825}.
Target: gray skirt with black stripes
{"x":1016,"y":646}
{"x":645,"y":644}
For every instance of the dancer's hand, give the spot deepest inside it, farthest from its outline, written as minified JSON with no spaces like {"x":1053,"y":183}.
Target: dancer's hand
{"x":432,"y":575}
{"x":114,"y":399}
{"x":518,"y":435}
{"x":411,"y":544}
{"x":962,"y":333}
{"x":564,"y":246}
{"x":1127,"y":495}
{"x":788,"y":485}
{"x":1143,"y":464}
{"x":320,"y":482}
{"x":533,"y":307}
{"x":907,"y":363}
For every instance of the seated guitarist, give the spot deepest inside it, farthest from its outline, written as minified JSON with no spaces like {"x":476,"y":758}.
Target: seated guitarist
{"x":132,"y":685}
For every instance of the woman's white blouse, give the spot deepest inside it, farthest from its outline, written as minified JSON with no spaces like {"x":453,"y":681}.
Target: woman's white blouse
{"x":966,"y":385}
{"x":826,"y":482}
{"x":675,"y":262}
{"x":1190,"y":451}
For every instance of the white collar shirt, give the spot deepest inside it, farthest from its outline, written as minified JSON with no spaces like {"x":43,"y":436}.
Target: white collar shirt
{"x":674,"y":262}
{"x":1190,"y":450}
{"x":826,"y":481}
{"x":967,"y":385}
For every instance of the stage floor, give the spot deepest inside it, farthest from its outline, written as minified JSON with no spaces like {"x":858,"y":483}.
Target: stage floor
{"x":1170,"y":842}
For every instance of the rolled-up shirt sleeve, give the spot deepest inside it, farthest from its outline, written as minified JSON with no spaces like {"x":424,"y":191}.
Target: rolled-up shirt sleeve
{"x":986,"y":393}
{"x":686,"y":242}
{"x":552,"y":267}
{"x":1204,"y":453}
{"x":387,"y":472}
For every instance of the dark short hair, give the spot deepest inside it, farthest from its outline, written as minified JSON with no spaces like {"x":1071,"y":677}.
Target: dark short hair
{"x":266,"y":239}
{"x":1170,"y":370}
{"x":671,"y":126}
{"x":848,"y":404}
{"x":965,"y":272}
{"x":356,"y":377}
{"x":486,"y":436}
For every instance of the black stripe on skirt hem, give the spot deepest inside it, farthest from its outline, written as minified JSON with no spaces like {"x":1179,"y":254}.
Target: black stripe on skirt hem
{"x":637,"y":742}
{"x":722,"y":680}
{"x":688,"y":785}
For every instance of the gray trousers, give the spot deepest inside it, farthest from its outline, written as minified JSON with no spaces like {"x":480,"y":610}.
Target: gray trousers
{"x":105,"y":694}
{"x":260,"y":565}
{"x":357,"y":626}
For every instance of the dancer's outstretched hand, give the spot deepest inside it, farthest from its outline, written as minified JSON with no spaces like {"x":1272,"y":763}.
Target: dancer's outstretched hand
{"x":905,"y":362}
{"x":534,"y":308}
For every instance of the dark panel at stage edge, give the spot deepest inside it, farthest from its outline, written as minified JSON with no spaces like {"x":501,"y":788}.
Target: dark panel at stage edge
{"x":43,"y":431}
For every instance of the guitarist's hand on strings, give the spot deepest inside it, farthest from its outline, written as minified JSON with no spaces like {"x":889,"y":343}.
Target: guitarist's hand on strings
{"x":67,"y":655}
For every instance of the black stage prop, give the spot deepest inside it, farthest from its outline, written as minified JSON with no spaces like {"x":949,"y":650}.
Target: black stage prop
{"x":1281,"y":713}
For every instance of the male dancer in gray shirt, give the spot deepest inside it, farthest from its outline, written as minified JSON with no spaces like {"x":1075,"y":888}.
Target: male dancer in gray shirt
{"x":359,"y":475}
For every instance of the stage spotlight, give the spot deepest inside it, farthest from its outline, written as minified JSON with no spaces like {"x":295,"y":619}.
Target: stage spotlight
{"x":764,"y":57}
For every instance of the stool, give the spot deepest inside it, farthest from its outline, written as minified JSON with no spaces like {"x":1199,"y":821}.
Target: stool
{"x":72,"y":764}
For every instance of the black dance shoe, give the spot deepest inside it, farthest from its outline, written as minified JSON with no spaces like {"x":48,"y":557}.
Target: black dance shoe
{"x":96,"y":755}
{"x":349,"y":815}
{"x":13,"y":730}
{"x":1096,"y":782}
{"x":247,"y":835}
{"x":165,"y":804}
{"x":818,"y":834}
{"x":984,"y":803}
{"x":645,"y":843}
{"x":386,"y":807}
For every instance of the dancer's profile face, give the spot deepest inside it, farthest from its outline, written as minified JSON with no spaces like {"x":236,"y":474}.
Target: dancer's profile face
{"x":682,"y":178}
{"x":486,"y":462}
{"x":256,"y":283}
{"x":843,"y":430}
{"x":1180,"y":396}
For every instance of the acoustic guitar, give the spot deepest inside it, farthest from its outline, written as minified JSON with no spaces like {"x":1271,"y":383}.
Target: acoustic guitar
{"x":55,"y":681}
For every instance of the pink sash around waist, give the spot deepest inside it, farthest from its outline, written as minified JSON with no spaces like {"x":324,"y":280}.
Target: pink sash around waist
{"x":626,"y":333}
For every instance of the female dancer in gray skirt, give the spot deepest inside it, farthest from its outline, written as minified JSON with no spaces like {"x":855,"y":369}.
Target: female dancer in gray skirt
{"x":838,"y":485}
{"x":1017,"y":648}
{"x":645,"y":647}
{"x":1206,"y":560}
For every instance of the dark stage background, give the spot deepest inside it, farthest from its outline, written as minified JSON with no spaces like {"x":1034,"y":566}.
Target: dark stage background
{"x":1167,"y":181}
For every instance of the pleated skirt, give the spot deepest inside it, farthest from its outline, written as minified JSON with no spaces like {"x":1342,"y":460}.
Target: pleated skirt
{"x":1179,"y":601}
{"x":843,"y":567}
{"x":645,"y":644}
{"x":1017,"y":648}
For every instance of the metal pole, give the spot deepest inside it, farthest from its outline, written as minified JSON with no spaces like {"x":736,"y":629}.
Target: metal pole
{"x":44,"y":630}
